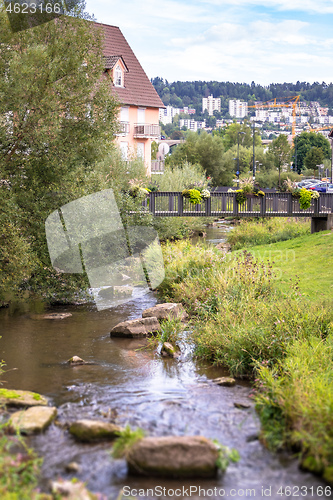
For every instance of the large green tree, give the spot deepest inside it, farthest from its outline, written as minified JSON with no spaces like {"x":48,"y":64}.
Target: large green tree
{"x":279,"y":152}
{"x":314,"y":158}
{"x":57,"y":120}
{"x":208,"y":151}
{"x":240,"y":133}
{"x":304,"y":142}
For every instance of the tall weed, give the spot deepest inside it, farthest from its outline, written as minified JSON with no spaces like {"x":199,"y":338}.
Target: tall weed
{"x":265,"y":231}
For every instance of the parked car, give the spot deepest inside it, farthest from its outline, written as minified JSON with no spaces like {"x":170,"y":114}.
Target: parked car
{"x":324,"y":188}
{"x":305,"y":182}
{"x":315,"y":184}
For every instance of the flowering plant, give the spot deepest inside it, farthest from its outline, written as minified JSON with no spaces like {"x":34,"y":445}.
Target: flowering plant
{"x":193,"y":195}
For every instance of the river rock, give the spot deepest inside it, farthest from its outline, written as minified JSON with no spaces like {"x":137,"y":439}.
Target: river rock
{"x":92,"y":430}
{"x":56,"y":316}
{"x":76,"y":360}
{"x":21,"y":398}
{"x":72,"y":490}
{"x":114,"y":292}
{"x":73,"y":467}
{"x":140,"y":327}
{"x":173,"y":456}
{"x":242,"y":405}
{"x":165,"y":311}
{"x":169,"y":350}
{"x":225,"y":381}
{"x":34,"y":419}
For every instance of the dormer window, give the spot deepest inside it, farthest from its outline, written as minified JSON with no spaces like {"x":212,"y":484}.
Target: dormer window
{"x":116,"y":68}
{"x":118,"y":76}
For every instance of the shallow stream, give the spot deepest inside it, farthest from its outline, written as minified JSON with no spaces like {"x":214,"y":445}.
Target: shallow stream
{"x":134,"y":386}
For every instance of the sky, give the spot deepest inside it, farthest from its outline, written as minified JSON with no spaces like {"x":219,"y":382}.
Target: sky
{"x":265,"y":41}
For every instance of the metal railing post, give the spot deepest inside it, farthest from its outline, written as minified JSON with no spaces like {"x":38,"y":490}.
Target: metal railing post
{"x":152,"y":202}
{"x":180,"y":204}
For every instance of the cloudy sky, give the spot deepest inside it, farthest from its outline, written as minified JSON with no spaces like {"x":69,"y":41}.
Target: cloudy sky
{"x":265,"y":41}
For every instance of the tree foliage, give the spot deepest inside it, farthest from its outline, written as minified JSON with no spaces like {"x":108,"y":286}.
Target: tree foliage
{"x":307,"y":140}
{"x":206,"y":150}
{"x":279,"y":153}
{"x":57,"y":119}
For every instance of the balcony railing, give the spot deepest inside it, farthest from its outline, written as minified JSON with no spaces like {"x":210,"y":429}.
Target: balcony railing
{"x":124,"y":128}
{"x":157,"y":167}
{"x":146,"y":130}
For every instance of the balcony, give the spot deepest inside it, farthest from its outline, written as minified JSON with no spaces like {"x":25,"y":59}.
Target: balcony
{"x":123,"y":129}
{"x":157,"y":167}
{"x":146,"y":131}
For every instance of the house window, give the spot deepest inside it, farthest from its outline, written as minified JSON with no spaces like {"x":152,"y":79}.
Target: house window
{"x":124,"y":150}
{"x":141,"y":150}
{"x":141,"y":116}
{"x":118,"y":76}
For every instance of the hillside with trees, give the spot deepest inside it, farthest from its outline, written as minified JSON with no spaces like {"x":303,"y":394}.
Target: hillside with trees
{"x":180,"y":94}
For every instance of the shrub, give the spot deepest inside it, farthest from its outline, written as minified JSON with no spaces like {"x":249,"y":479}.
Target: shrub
{"x":304,"y":199}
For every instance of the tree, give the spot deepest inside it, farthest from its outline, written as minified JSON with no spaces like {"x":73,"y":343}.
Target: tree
{"x":279,"y":153}
{"x":58,"y":120}
{"x":305,"y":141}
{"x":314,"y":157}
{"x":207,"y":150}
{"x":242,"y":133}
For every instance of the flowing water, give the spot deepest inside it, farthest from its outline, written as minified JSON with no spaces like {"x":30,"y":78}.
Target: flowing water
{"x":130,"y":385}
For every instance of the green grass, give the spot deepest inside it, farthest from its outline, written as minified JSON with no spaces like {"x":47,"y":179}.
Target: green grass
{"x":306,"y":259}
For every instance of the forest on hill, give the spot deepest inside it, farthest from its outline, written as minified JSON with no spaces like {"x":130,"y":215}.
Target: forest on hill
{"x":180,"y":94}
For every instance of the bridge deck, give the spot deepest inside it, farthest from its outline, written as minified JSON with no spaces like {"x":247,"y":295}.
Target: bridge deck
{"x":173,"y":204}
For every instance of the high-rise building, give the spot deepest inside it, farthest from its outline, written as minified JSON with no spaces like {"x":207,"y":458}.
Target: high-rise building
{"x":238,"y":108}
{"x":211,"y":104}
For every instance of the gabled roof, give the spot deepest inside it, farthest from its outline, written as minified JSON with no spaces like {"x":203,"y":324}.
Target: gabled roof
{"x":138,"y":89}
{"x":111,"y":61}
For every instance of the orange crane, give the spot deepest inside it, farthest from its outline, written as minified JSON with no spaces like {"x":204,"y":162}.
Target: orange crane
{"x":317,"y":129}
{"x":283,"y":102}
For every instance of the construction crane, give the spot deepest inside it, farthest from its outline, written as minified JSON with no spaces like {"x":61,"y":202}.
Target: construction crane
{"x":318,"y":129}
{"x":283,"y":102}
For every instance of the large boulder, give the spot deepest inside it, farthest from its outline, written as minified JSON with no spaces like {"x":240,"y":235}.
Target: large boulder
{"x":166,"y":311}
{"x":140,"y":327}
{"x":34,"y":419}
{"x":173,"y":456}
{"x":21,"y":398}
{"x":93,"y":430}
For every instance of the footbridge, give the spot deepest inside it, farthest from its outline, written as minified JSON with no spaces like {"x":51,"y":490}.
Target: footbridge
{"x":224,"y":204}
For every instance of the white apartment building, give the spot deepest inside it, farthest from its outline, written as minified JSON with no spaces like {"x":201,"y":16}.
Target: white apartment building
{"x":191,"y":124}
{"x":238,"y":108}
{"x":211,"y":104}
{"x":167,"y":114}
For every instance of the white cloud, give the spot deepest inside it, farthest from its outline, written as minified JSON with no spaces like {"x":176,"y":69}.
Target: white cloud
{"x":226,"y":39}
{"x":310,"y":6}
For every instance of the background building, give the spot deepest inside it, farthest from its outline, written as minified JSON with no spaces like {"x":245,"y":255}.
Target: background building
{"x":211,"y":104}
{"x":238,"y":108}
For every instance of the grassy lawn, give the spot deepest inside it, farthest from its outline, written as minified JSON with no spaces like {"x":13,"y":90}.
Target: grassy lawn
{"x":307,"y":259}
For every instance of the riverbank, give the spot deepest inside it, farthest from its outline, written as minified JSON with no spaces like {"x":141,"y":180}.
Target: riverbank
{"x":250,"y":314}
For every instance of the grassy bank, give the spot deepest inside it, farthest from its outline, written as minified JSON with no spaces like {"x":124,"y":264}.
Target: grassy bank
{"x":266,"y":313}
{"x":265,"y":231}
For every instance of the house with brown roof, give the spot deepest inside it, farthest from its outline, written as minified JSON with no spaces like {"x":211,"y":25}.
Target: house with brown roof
{"x":140,"y":103}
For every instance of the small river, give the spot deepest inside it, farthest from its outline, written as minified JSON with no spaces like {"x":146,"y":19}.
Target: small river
{"x":130,"y":385}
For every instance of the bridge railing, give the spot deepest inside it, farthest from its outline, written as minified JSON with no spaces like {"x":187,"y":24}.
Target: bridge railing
{"x":173,"y":204}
